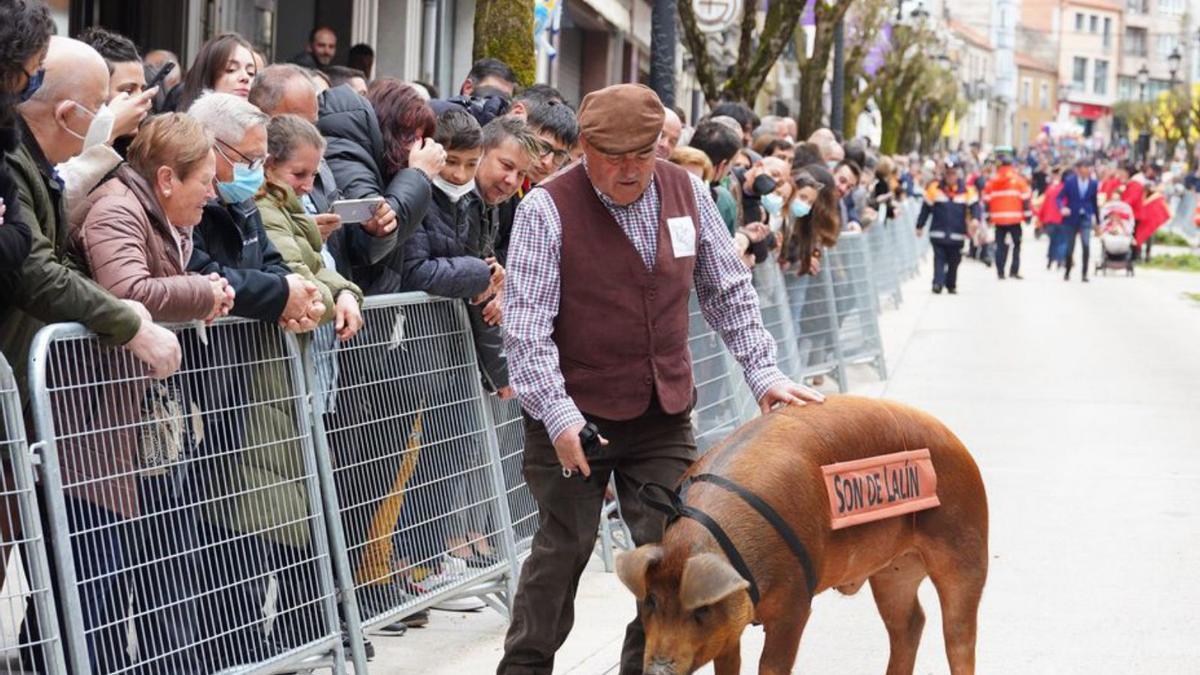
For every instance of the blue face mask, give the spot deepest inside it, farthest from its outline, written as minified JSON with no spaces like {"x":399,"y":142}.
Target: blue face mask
{"x":245,"y":184}
{"x":800,"y":208}
{"x":773,"y":203}
{"x":34,"y":83}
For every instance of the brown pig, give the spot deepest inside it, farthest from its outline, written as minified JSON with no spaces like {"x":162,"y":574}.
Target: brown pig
{"x":695,"y":605}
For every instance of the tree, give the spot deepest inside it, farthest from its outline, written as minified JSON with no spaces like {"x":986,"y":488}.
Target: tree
{"x":864,"y":24}
{"x":826,"y":15}
{"x":504,"y":30}
{"x":757,"y":49}
{"x":1173,"y":117}
{"x":913,"y":92}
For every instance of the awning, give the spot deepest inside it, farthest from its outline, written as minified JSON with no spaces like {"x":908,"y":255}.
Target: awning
{"x":1090,"y":111}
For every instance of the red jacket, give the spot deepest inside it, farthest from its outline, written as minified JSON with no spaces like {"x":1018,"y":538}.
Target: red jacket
{"x":1049,"y":213}
{"x":1006,"y":197}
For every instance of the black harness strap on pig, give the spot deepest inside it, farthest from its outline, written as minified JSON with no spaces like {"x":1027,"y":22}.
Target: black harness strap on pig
{"x":675,"y":509}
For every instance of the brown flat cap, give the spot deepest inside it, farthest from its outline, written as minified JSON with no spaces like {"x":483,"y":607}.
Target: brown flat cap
{"x":621,"y":118}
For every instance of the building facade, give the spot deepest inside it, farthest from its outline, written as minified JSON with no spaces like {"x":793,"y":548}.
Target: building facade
{"x":1037,"y":98}
{"x":973,"y":58}
{"x":1154,"y":31}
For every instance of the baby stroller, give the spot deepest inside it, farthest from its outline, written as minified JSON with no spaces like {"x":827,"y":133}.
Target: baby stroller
{"x":1116,"y":238}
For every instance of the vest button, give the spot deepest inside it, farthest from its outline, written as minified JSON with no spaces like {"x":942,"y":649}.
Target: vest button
{"x":649,"y":380}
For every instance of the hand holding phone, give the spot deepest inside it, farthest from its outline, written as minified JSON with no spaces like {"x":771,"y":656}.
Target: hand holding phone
{"x":356,"y":210}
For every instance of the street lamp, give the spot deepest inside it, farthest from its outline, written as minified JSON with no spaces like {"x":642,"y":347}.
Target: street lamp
{"x":1173,"y":62}
{"x":1143,"y":79}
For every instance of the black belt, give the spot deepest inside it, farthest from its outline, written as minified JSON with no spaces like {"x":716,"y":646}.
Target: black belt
{"x":675,"y":509}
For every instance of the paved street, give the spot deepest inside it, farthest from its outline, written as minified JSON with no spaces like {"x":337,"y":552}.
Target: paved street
{"x":1080,"y":404}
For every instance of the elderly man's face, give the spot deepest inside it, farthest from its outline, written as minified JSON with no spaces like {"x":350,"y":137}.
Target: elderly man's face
{"x":672,"y":128}
{"x":249,"y":149}
{"x":502,"y":171}
{"x":622,"y":178}
{"x":324,"y":46}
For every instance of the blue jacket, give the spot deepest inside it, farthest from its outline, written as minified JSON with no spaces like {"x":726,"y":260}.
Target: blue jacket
{"x":1080,"y":199}
{"x":948,"y":212}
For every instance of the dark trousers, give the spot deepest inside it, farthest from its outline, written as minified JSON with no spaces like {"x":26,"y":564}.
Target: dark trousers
{"x":946,"y":257}
{"x":655,"y":447}
{"x":1002,"y":233}
{"x":1084,"y":233}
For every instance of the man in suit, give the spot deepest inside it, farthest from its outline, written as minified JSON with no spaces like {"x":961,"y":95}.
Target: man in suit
{"x":1077,"y":201}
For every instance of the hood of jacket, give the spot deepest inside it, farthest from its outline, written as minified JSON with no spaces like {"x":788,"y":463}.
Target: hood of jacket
{"x":346,"y":115}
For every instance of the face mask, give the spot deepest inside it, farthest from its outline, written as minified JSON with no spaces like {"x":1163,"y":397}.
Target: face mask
{"x":33,"y":84}
{"x":773,"y":203}
{"x":453,"y":191}
{"x":244,"y":186}
{"x":800,"y":208}
{"x":99,"y":130}
{"x":763,"y":185}
{"x":832,"y":165}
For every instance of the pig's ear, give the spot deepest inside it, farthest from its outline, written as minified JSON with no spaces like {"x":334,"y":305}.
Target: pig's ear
{"x":631,"y":567}
{"x":708,"y":579}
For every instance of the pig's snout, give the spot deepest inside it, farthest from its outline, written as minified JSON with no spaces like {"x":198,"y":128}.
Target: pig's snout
{"x":660,"y":665}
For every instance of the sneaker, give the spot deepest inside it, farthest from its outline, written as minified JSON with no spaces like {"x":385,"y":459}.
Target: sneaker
{"x":937,"y":289}
{"x":952,"y":291}
{"x":394,"y":629}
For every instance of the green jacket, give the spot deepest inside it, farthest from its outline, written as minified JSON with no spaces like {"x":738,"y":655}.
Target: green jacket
{"x":51,"y":288}
{"x":295,"y":234}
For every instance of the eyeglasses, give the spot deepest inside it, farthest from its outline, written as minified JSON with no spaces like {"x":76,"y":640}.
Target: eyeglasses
{"x":561,"y":156}
{"x":253,"y":164}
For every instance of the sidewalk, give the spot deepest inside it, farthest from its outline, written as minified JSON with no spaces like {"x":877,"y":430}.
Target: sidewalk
{"x":1079,"y":403}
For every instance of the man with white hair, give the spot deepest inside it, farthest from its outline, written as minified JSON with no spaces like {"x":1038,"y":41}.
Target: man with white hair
{"x":53,"y":124}
{"x":230,"y":239}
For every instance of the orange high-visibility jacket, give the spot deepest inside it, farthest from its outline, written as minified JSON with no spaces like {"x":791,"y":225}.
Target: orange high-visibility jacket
{"x":1006,"y":197}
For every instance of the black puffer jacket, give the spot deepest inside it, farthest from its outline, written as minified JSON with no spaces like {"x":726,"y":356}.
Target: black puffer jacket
{"x":441,"y":258}
{"x":230,"y":240}
{"x":354,"y":152}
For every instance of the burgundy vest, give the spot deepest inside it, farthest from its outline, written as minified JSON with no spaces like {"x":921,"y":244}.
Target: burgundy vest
{"x":622,"y":330}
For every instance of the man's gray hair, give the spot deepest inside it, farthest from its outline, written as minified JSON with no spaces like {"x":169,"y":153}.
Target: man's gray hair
{"x":272,"y":82}
{"x":227,"y":116}
{"x":770,"y":125}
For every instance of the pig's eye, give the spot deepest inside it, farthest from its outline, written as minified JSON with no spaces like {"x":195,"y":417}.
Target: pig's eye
{"x":701,"y":614}
{"x":651,"y":602}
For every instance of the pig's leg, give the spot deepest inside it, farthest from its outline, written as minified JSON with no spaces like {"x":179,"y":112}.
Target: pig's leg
{"x":959,"y":576}
{"x":895,"y":591}
{"x":730,"y":662}
{"x":783,"y":641}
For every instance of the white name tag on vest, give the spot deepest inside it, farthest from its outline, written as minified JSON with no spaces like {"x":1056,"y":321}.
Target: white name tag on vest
{"x":683,"y":236}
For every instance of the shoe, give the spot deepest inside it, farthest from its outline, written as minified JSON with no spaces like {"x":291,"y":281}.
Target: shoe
{"x":1085,"y":280}
{"x":368,"y":648}
{"x":394,"y":629}
{"x":1014,"y":275}
{"x":952,"y":291}
{"x":463,"y":604}
{"x":416,"y":620}
{"x":937,"y":289}
{"x":1049,"y":263}
{"x":1000,"y":276}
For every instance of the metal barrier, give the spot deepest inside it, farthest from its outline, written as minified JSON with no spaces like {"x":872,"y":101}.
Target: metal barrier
{"x":415,"y":462}
{"x":885,"y":259}
{"x":855,"y":301}
{"x":36,"y":645}
{"x":185,"y":514}
{"x":278,"y":491}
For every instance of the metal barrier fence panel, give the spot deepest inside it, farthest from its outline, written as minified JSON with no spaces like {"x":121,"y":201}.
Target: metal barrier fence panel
{"x":510,"y":435}
{"x":777,"y":315}
{"x":25,"y":561}
{"x":1181,"y":220}
{"x":885,"y":260}
{"x":815,"y":316}
{"x":415,"y":464}
{"x":185,"y":513}
{"x":854,"y":299}
{"x":719,"y":402}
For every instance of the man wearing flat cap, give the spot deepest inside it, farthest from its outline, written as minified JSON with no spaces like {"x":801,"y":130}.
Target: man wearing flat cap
{"x":603,"y":258}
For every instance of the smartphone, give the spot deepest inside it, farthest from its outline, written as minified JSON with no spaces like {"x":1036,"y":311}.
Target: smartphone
{"x":161,"y":75}
{"x":356,"y":210}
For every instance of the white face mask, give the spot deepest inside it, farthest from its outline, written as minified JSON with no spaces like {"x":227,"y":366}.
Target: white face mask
{"x":100,"y":129}
{"x":454,"y":192}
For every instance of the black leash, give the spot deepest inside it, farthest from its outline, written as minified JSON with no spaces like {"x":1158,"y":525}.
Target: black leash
{"x":675,"y":509}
